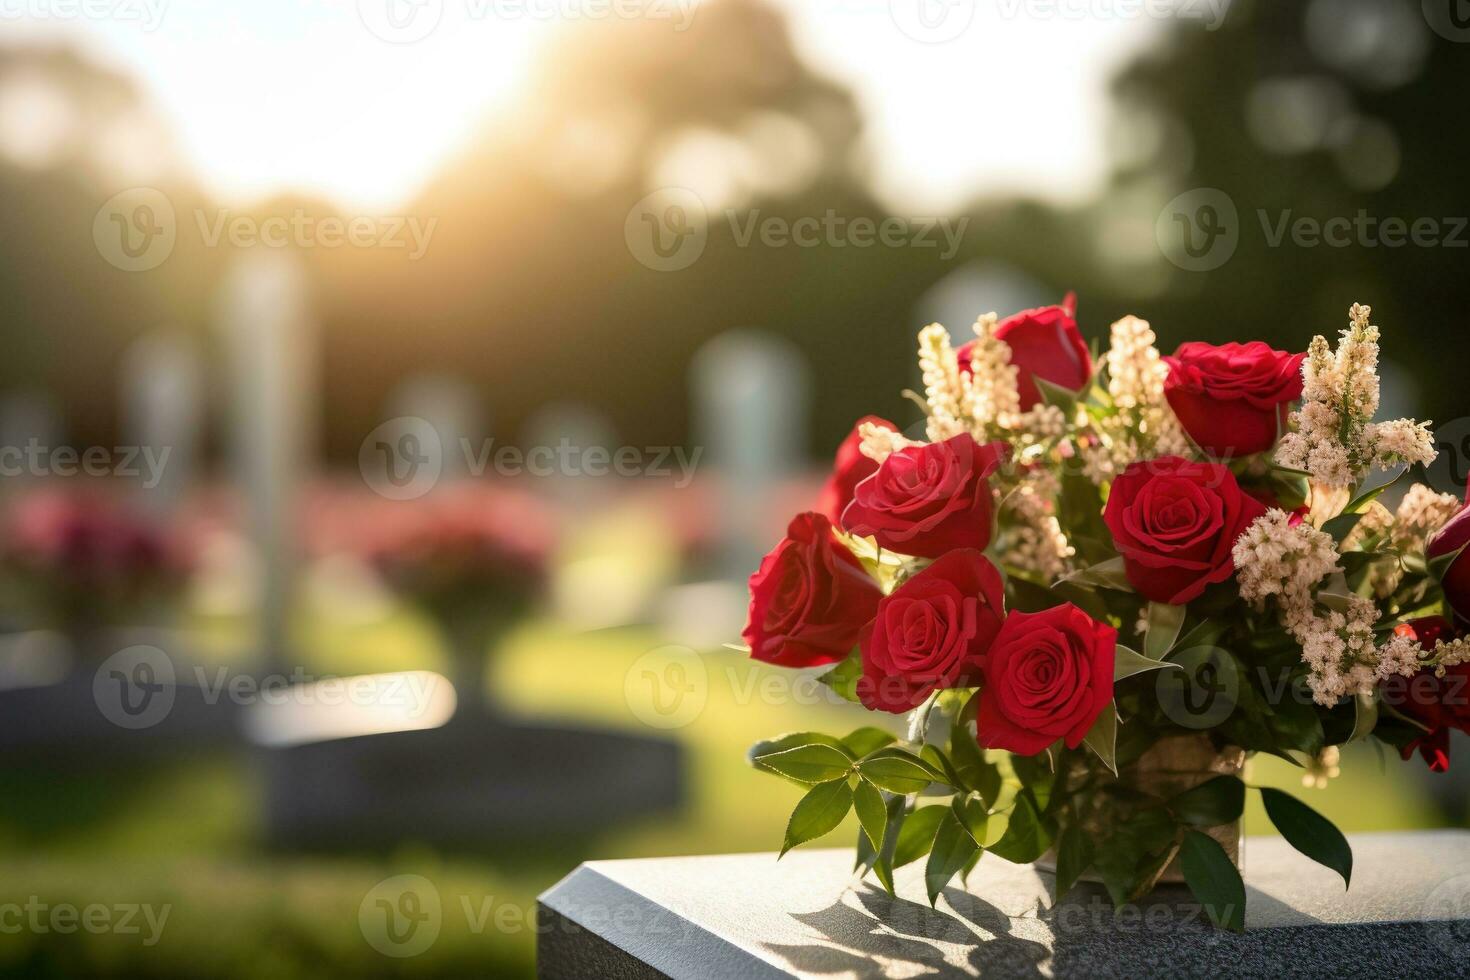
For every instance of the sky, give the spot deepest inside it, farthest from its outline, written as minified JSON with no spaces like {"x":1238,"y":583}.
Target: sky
{"x":363,"y":100}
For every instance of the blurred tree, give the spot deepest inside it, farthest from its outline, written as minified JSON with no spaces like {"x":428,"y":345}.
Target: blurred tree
{"x":1328,"y":109}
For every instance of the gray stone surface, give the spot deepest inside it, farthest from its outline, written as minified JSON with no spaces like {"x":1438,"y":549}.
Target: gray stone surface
{"x":745,"y":915}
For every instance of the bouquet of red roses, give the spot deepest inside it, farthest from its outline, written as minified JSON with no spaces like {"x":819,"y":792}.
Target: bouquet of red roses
{"x":1095,"y":584}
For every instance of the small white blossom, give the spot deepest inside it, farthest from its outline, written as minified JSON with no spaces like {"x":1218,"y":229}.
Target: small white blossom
{"x":1335,"y":438}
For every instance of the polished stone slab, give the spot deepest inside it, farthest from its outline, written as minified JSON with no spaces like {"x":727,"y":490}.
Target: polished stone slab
{"x":748,"y":916}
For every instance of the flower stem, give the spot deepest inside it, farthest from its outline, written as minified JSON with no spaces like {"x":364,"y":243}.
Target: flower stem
{"x":919,"y":720}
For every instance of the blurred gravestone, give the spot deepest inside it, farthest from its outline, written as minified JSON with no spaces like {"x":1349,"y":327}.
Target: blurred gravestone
{"x":269,"y":340}
{"x":456,"y":412}
{"x":567,"y":430}
{"x":979,"y":287}
{"x":751,"y":399}
{"x":27,"y":417}
{"x":162,"y":415}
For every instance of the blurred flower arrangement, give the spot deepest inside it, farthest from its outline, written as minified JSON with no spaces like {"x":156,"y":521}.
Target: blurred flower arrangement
{"x":81,"y":561}
{"x":1095,"y":584}
{"x":474,"y":559}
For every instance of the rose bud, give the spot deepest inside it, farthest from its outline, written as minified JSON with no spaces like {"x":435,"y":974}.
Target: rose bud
{"x":1456,"y":581}
{"x":1439,"y":704}
{"x":810,"y":598}
{"x":1048,"y":676}
{"x":849,"y":469}
{"x":1232,"y":399}
{"x":1175,"y":523}
{"x":932,"y":632}
{"x":1045,"y":343}
{"x":928,"y":499}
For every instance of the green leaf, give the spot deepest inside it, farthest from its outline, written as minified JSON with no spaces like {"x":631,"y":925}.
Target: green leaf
{"x":843,"y":678}
{"x":1026,"y":837}
{"x":1360,"y":503}
{"x":1164,"y":623}
{"x":953,"y":848}
{"x":1055,"y":394}
{"x":813,"y":762}
{"x":1214,"y":879}
{"x":1108,"y":575}
{"x":818,"y":813}
{"x":916,"y":836}
{"x":1213,"y":802}
{"x":898,"y":771}
{"x":1436,"y":567}
{"x":1365,"y":717}
{"x":1341,"y":526}
{"x":1309,"y":832}
{"x":1026,"y":596}
{"x":872,"y":812}
{"x":1074,"y":856}
{"x":973,"y":817}
{"x":969,"y":762}
{"x":1127,"y":662}
{"x":866,"y":740}
{"x":1102,"y":737}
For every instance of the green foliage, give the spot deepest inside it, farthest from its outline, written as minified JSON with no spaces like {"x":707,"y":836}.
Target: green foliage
{"x":1214,"y":879}
{"x":1309,"y":832}
{"x":1164,"y":624}
{"x":1074,"y":857}
{"x":872,"y":812}
{"x":917,"y":835}
{"x":805,"y":759}
{"x":1127,"y":662}
{"x":898,"y":771}
{"x":1027,"y":833}
{"x":1216,"y":801}
{"x":843,"y":678}
{"x":952,"y":850}
{"x":1102,"y":738}
{"x":862,"y":741}
{"x":819,"y":812}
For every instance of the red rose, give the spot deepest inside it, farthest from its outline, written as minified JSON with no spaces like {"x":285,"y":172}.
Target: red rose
{"x":1232,"y":399}
{"x":810,"y":599}
{"x":1048,"y":676}
{"x":1175,"y":523}
{"x":926,"y":500}
{"x":932,"y":632}
{"x":1437,"y":703}
{"x":1456,"y":582}
{"x":849,"y":469}
{"x":1044,"y":343}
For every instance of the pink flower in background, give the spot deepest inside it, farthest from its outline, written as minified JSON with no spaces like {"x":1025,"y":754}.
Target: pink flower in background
{"x":461,"y":546}
{"x":83,"y":557}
